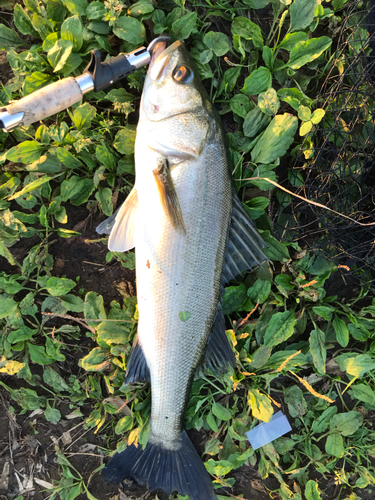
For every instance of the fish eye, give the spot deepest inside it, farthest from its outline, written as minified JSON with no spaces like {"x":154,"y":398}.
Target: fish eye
{"x":182,"y":74}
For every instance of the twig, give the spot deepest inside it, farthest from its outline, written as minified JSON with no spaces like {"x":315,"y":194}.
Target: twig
{"x":67,"y":316}
{"x":305,"y":199}
{"x":244,"y":321}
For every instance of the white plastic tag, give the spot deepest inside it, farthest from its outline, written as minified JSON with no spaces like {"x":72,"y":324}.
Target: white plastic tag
{"x":266,"y":432}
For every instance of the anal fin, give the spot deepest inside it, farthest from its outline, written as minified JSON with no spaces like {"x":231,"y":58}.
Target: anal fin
{"x":245,"y":245}
{"x":137,"y":369}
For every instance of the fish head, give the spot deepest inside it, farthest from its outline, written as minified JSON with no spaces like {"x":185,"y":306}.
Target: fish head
{"x":172,"y":85}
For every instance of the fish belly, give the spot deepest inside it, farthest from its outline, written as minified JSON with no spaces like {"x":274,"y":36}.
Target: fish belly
{"x":179,"y":277}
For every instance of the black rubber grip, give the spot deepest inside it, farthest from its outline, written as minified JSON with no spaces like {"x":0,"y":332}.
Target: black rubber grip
{"x":108,"y":72}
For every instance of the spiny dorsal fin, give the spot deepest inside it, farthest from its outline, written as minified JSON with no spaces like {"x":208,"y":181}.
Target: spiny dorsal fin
{"x":244,"y":250}
{"x":121,"y":225}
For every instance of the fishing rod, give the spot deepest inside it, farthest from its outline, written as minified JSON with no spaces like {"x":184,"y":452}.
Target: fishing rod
{"x":58,"y":96}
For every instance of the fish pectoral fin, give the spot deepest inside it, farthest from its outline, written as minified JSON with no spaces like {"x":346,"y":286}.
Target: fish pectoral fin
{"x":219,"y":354}
{"x":245,"y":245}
{"x":121,"y":225}
{"x":137,"y":369}
{"x":168,"y":196}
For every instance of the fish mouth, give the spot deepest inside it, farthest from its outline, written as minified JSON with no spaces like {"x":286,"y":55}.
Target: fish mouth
{"x":160,"y":58}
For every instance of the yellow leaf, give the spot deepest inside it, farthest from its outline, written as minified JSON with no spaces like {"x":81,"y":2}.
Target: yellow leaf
{"x":260,"y":405}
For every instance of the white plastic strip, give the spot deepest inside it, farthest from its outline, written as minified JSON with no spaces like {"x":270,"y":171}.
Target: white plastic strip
{"x":266,"y":432}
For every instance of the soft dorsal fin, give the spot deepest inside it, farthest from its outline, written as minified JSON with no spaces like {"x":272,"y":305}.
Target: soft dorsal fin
{"x":219,"y":354}
{"x":137,"y":369}
{"x":121,"y":225}
{"x":244,"y":250}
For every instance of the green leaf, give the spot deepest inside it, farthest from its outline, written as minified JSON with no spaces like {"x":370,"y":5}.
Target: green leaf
{"x":76,"y":7}
{"x":276,"y":250}
{"x":23,"y":22}
{"x":304,"y":113}
{"x":59,"y":286}
{"x":212,"y":422}
{"x":125,"y":139}
{"x":184,"y":315}
{"x":240,"y":105}
{"x":259,"y":357}
{"x":52,"y":378}
{"x":362,"y":392}
{"x":229,"y":80}
{"x":267,"y":55}
{"x":23,"y":333}
{"x":255,"y":122}
{"x":72,"y":303}
{"x":52,"y":414}
{"x":104,"y":197}
{"x":96,"y":360}
{"x":324,"y":311}
{"x":38,"y":355}
{"x":276,"y":139}
{"x":335,"y":445}
{"x":322,"y":423}
{"x":141,"y":8}
{"x":32,"y":186}
{"x":124,"y":424}
{"x":318,"y":350}
{"x":261,"y":406}
{"x":35,"y":81}
{"x":218,"y":42}
{"x":9,"y":38}
{"x":312,"y":491}
{"x":7,"y":306}
{"x":234,"y":297}
{"x":259,"y":81}
{"x":301,"y":14}
{"x":346,"y":423}
{"x":59,"y":53}
{"x":290,"y":40}
{"x":6,"y":253}
{"x":129,"y":29}
{"x":259,"y":291}
{"x":83,"y":115}
{"x":26,"y":152}
{"x":268,"y":102}
{"x":280,"y":328}
{"x":68,"y":159}
{"x":294,"y":97}
{"x":95,"y":10}
{"x":94,"y":308}
{"x":72,"y":30}
{"x":305,"y":52}
{"x":221,"y":412}
{"x":356,"y":366}
{"x":359,"y":332}
{"x":243,"y":27}
{"x":342,"y":332}
{"x":183,"y":27}
{"x":112,"y":333}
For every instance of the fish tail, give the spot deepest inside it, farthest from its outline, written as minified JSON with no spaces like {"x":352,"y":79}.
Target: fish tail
{"x":180,"y":470}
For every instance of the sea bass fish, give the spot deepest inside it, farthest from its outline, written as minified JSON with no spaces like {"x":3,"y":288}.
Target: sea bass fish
{"x":191,"y":236}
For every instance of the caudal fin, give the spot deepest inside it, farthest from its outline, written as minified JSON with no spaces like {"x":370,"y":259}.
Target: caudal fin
{"x":180,"y":470}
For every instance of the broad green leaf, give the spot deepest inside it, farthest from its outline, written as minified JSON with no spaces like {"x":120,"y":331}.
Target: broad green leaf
{"x":261,"y":406}
{"x":255,"y":122}
{"x":9,"y":39}
{"x":259,"y":81}
{"x":6,"y":253}
{"x":324,"y":311}
{"x":301,"y":14}
{"x":243,"y":27}
{"x":342,"y":332}
{"x":72,"y":30}
{"x":229,"y":80}
{"x":76,"y":7}
{"x":94,"y":308}
{"x":276,"y":139}
{"x":346,"y":423}
{"x":290,"y":40}
{"x":234,"y":297}
{"x":38,"y":355}
{"x":295,"y":400}
{"x":279,"y":357}
{"x":184,"y":315}
{"x":312,"y":491}
{"x":280,"y":328}
{"x":26,"y":152}
{"x":59,"y":286}
{"x":124,"y":424}
{"x":83,"y":115}
{"x":221,"y":412}
{"x":218,"y":42}
{"x":104,"y":197}
{"x":32,"y":186}
{"x":294,"y":97}
{"x":275,"y":249}
{"x":129,"y":29}
{"x":240,"y":105}
{"x":362,"y":392}
{"x":268,"y":102}
{"x":96,"y":360}
{"x":95,"y":11}
{"x":322,"y":423}
{"x":354,"y":365}
{"x":259,"y":291}
{"x":183,"y":27}
{"x":72,"y":63}
{"x":212,"y":422}
{"x":52,"y":378}
{"x":72,"y":303}
{"x":335,"y":445}
{"x":100,"y":27}
{"x":10,"y":367}
{"x":318,"y":349}
{"x":359,"y":332}
{"x":305,"y":52}
{"x":52,"y":414}
{"x":304,"y":113}
{"x":68,"y":159}
{"x":141,"y":8}
{"x":59,"y":53}
{"x":35,"y":81}
{"x":23,"y":22}
{"x":267,"y":55}
{"x":23,"y":333}
{"x":259,"y":357}
{"x":112,"y":333}
{"x":125,"y":139}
